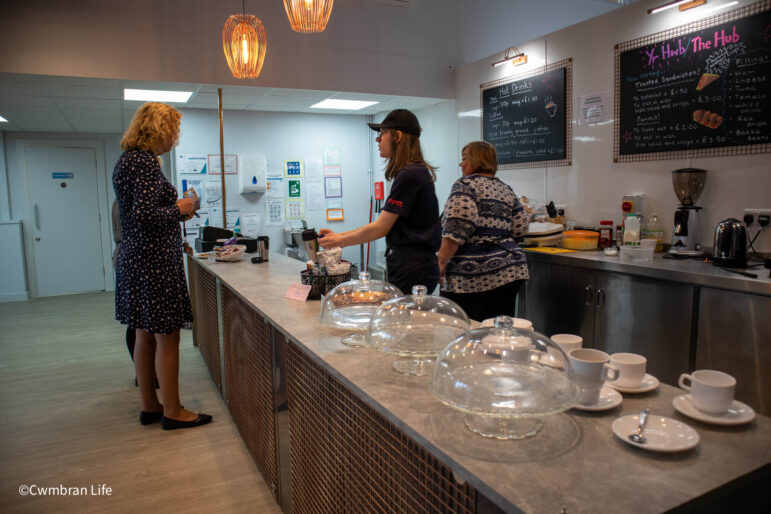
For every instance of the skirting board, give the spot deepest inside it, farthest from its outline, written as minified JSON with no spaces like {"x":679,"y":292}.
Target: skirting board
{"x":14,"y":297}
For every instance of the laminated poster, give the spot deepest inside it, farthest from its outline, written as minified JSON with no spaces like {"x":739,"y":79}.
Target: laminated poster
{"x":332,"y":171}
{"x":212,"y":194}
{"x":295,"y":189}
{"x":293,"y":169}
{"x":333,"y":187}
{"x":295,"y":209}
{"x":592,"y":108}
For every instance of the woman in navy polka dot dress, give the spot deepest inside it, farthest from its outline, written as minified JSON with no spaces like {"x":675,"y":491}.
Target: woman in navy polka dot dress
{"x":151,"y":291}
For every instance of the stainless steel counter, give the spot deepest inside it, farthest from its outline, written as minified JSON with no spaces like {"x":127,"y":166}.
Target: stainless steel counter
{"x":690,"y":271}
{"x":575,"y":463}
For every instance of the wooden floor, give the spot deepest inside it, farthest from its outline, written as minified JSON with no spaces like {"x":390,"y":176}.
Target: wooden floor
{"x":69,"y":417}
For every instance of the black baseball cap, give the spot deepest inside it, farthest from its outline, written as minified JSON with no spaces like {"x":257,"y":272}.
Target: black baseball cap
{"x":399,"y":119}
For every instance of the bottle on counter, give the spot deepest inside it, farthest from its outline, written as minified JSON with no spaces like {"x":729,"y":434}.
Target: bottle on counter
{"x":631,"y":230}
{"x":654,"y":230}
{"x":619,"y":235}
{"x":606,"y":234}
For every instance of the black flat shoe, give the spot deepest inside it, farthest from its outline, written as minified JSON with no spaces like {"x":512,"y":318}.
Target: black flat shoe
{"x":148,"y":418}
{"x":173,"y":424}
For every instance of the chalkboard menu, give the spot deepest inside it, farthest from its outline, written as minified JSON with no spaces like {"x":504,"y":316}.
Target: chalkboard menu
{"x":699,"y":90}
{"x":526,"y":118}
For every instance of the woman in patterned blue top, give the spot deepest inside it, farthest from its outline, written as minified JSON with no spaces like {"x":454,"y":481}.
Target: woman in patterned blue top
{"x":480,"y":265}
{"x":151,"y":291}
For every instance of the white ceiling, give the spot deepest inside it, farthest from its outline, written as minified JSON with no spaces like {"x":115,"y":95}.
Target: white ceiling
{"x":88,"y":105}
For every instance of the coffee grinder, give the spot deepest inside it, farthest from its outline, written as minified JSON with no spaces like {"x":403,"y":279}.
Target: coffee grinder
{"x":688,"y":184}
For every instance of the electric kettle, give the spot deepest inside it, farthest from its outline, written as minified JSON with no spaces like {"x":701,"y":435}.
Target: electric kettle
{"x":730,"y":248}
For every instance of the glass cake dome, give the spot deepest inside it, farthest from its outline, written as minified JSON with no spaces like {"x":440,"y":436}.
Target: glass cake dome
{"x":505,"y":379}
{"x":417,"y":327}
{"x":351,"y":304}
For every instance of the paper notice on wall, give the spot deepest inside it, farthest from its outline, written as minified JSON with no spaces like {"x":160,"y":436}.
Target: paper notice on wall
{"x":215,"y":164}
{"x":191,"y":164}
{"x":274,"y":213}
{"x":314,"y":196}
{"x":251,"y":224}
{"x":233,"y":218}
{"x":332,"y":171}
{"x":275,"y":188}
{"x":314,"y":169}
{"x":212,"y":195}
{"x":335,"y":203}
{"x":332,"y":157}
{"x":191,"y":225}
{"x":592,"y":108}
{"x":274,"y":170}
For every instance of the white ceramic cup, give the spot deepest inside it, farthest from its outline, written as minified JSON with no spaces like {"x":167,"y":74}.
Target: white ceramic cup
{"x":567,"y":342}
{"x":712,"y":391}
{"x":590,"y":369}
{"x":631,"y":369}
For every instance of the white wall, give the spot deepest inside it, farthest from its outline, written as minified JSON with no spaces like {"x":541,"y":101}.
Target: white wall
{"x":287,"y":136}
{"x":593,"y":186}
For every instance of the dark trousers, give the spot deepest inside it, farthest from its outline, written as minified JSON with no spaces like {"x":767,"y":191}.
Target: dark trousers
{"x":407,"y":268}
{"x":500,"y":301}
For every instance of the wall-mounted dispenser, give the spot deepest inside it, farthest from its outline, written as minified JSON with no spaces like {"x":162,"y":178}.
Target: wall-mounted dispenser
{"x":252,"y":174}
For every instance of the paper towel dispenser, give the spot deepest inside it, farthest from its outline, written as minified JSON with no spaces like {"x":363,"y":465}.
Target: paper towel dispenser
{"x":252,"y":174}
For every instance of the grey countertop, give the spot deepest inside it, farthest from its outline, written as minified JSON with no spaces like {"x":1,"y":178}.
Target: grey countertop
{"x":691,"y":271}
{"x":574,"y":463}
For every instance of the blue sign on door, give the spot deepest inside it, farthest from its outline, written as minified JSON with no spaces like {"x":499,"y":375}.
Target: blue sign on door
{"x":61,"y":175}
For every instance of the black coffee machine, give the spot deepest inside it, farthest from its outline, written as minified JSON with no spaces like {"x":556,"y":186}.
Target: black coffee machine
{"x":686,"y":240}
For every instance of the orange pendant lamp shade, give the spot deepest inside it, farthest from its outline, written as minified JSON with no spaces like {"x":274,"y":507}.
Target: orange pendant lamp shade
{"x":308,"y":16}
{"x":244,"y":43}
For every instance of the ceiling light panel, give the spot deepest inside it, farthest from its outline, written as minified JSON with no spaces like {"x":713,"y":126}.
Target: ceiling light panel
{"x":337,"y":103}
{"x":151,"y":95}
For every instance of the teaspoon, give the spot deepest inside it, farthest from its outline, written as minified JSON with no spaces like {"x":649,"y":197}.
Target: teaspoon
{"x":637,"y":437}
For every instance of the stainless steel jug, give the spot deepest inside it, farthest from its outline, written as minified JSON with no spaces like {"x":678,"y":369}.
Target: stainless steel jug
{"x":263,"y":244}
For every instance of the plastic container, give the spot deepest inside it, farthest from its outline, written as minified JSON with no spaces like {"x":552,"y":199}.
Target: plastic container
{"x":654,"y":230}
{"x":638,"y":253}
{"x":580,"y":239}
{"x":631,"y":230}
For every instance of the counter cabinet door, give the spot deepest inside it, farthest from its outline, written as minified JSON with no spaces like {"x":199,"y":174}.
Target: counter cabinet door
{"x":645,"y":316}
{"x":560,"y":300}
{"x":735,"y":337}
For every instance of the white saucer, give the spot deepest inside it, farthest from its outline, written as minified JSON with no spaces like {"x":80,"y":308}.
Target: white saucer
{"x":662,"y":434}
{"x":737,"y":414}
{"x":609,"y":398}
{"x":649,"y":383}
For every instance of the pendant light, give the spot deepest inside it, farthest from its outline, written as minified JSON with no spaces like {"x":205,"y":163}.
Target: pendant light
{"x":308,"y":16}
{"x":244,"y":42}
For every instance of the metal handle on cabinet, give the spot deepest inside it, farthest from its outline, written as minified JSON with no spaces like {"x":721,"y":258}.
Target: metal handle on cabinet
{"x":589,"y":296}
{"x":600,"y":298}
{"x":37,"y":217}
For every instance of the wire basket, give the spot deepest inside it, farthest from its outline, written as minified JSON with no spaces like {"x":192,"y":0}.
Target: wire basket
{"x":322,"y":284}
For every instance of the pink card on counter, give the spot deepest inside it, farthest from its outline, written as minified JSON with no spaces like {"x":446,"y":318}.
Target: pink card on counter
{"x":298,"y":292}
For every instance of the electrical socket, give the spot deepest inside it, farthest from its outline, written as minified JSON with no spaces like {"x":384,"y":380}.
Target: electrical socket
{"x":757,"y":212}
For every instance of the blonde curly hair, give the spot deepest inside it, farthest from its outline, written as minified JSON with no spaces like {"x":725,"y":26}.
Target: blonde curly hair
{"x":154,"y":127}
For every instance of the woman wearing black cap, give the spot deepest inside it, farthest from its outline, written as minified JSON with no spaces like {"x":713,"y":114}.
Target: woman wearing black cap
{"x":410,"y":219}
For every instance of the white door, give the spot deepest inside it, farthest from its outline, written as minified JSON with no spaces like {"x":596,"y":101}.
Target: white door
{"x":64,"y":200}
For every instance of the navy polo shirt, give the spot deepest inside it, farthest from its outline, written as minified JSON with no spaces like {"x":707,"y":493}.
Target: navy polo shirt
{"x":413,"y":199}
